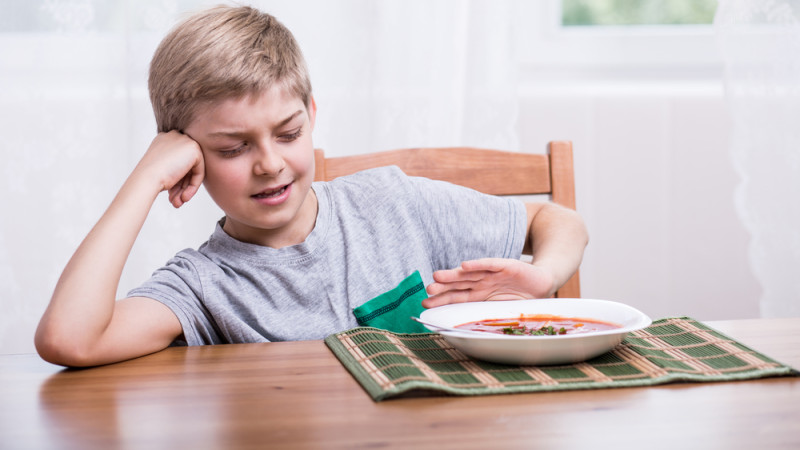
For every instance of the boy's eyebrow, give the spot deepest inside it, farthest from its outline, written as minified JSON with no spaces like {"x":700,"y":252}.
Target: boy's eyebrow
{"x":280,"y":124}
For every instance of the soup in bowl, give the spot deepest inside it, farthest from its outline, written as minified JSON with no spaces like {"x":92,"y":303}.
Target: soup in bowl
{"x":538,"y":325}
{"x":529,"y":332}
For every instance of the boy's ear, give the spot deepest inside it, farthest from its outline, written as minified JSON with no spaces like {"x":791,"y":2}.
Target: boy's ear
{"x":312,"y":112}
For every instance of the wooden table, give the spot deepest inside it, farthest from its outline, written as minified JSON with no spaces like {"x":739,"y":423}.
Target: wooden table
{"x":297,"y":395}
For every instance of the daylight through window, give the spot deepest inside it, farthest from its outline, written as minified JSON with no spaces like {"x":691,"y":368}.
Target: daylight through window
{"x":637,"y":12}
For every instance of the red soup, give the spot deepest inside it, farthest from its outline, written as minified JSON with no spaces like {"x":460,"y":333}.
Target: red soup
{"x":539,"y":325}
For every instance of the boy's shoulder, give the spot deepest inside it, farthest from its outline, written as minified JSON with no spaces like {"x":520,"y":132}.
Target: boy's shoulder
{"x":377,"y":181}
{"x":377,"y":189}
{"x":374,"y":175}
{"x":392,"y":181}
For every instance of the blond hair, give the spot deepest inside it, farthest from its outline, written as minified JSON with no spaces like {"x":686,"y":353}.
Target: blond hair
{"x":222,"y":52}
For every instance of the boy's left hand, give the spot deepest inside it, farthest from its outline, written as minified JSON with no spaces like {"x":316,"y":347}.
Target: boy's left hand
{"x":489,"y":279}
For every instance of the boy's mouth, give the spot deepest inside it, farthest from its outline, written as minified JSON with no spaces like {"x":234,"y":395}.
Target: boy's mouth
{"x":271,"y":192}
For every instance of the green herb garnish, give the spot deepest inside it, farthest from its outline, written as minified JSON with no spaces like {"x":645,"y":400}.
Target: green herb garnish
{"x":543,"y":331}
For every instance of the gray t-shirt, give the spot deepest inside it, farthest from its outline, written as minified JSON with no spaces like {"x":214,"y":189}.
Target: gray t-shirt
{"x":373,"y":229}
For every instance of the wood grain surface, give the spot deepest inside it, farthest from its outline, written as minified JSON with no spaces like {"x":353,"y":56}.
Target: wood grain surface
{"x":297,"y":395}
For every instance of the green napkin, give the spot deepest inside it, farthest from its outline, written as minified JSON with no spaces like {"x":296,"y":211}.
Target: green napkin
{"x":393,"y":310}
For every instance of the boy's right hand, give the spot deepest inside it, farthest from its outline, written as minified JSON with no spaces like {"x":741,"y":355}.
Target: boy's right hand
{"x":175,"y":161}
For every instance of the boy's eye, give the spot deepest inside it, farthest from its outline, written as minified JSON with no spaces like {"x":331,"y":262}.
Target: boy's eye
{"x":291,"y":136}
{"x":233,"y":152}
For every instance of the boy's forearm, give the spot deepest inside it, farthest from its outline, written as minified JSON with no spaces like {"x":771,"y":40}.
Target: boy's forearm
{"x":83,"y":300}
{"x":557,"y":238}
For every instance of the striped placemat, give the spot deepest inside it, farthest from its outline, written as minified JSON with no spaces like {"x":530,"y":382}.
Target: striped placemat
{"x":388,"y":364}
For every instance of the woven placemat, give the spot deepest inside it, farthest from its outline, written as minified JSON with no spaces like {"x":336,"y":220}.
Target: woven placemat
{"x":388,"y":364}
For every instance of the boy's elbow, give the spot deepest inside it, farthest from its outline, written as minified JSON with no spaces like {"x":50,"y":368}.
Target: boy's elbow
{"x":54,"y":348}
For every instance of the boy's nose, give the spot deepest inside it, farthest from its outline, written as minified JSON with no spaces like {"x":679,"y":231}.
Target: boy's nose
{"x":268,"y":162}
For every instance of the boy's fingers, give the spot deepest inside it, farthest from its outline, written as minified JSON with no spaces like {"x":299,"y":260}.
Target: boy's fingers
{"x":188,"y":193}
{"x":178,"y":196}
{"x":485,"y":264}
{"x":461,"y":274}
{"x":458,"y":285}
{"x":470,"y":270}
{"x":187,"y":187}
{"x":173,"y":194}
{"x":193,"y":180}
{"x":198,"y":172}
{"x":436,"y":289}
{"x":446,"y":299}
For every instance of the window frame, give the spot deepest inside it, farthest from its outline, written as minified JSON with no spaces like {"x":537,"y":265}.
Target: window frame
{"x":549,"y":50}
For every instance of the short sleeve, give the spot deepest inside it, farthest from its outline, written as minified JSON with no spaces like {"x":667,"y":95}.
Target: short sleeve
{"x":178,"y":286}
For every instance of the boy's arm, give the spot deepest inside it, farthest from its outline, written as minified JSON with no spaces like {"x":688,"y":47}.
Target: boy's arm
{"x":556,"y":236}
{"x":84,"y":324}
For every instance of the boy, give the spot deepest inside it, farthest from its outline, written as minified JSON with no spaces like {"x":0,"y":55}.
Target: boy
{"x":289,"y":260}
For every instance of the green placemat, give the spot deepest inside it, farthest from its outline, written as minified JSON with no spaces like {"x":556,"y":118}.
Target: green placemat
{"x":387,"y":364}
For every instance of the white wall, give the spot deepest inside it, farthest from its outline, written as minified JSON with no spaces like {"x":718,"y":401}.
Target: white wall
{"x":655,"y":186}
{"x":649,"y":120}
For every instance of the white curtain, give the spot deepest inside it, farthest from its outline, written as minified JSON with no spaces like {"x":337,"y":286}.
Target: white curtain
{"x":760,"y":44}
{"x":75,"y":116}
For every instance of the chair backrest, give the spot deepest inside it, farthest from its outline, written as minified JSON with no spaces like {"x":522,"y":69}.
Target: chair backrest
{"x":489,"y":171}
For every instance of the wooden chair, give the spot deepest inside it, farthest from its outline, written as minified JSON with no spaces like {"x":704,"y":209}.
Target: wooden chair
{"x":489,"y":171}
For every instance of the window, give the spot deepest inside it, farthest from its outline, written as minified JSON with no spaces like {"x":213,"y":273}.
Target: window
{"x":572,"y":40}
{"x":637,"y":12}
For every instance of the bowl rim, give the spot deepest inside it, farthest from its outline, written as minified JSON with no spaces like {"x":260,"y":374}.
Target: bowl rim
{"x":640,"y":321}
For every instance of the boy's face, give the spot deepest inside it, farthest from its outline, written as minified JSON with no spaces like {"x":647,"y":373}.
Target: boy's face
{"x":259,"y":165}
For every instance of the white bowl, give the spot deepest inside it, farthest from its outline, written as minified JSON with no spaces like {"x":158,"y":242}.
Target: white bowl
{"x":536,"y":350}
